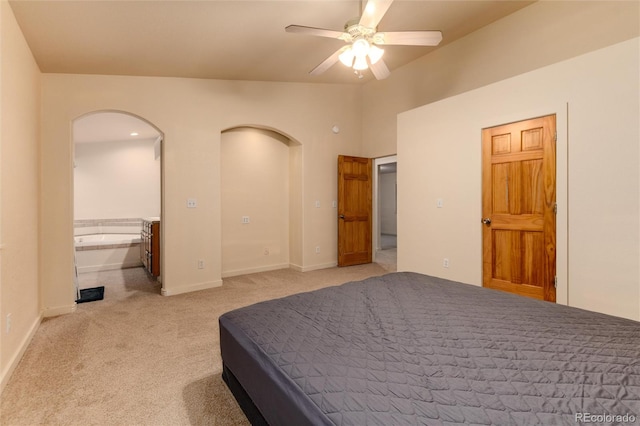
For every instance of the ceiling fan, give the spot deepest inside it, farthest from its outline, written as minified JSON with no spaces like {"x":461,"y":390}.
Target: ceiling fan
{"x":362,"y":38}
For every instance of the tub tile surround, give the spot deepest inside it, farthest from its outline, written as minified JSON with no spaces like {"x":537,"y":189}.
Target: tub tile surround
{"x":106,"y":226}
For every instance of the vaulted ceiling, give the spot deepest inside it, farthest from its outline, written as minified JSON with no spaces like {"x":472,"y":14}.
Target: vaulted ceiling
{"x":228,"y":40}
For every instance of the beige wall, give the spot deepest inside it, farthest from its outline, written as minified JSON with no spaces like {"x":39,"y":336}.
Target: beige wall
{"x":116,"y":179}
{"x":595,"y":97}
{"x":19,"y":188}
{"x":538,"y":35}
{"x":296,"y":206}
{"x":192,"y":114}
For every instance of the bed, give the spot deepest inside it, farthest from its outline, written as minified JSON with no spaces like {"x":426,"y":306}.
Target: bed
{"x":410,"y":349}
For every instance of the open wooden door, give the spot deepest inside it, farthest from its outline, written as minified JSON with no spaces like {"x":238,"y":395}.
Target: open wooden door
{"x":354,"y":210}
{"x":519,"y":207}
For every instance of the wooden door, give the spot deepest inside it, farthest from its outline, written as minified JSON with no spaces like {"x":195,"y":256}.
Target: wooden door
{"x":519,"y":207}
{"x":354,"y":210}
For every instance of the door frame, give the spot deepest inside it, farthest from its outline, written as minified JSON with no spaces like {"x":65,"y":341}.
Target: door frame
{"x":160,"y":142}
{"x":375,"y":200}
{"x":561,"y":110}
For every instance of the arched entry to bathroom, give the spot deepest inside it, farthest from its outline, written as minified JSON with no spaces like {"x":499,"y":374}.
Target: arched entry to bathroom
{"x":261,"y":200}
{"x":117,"y":184}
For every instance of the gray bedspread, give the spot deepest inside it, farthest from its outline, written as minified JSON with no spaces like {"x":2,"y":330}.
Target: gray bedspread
{"x":409,"y":349}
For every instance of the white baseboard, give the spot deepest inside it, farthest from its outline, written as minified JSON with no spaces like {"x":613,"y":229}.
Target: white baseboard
{"x":247,"y":271}
{"x":191,"y":287}
{"x":59,"y":310}
{"x":314,"y":267}
{"x":15,"y":360}
{"x":295,"y":267}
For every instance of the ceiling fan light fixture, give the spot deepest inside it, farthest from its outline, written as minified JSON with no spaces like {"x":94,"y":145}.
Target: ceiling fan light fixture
{"x":360,"y":48}
{"x":347,"y":57}
{"x":375,"y":54}
{"x":360,"y":63}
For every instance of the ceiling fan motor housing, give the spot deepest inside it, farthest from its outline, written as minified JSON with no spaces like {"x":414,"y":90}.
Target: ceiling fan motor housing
{"x":356,"y":31}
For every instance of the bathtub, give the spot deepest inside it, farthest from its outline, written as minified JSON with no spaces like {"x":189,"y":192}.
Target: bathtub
{"x":106,"y":240}
{"x":104,"y":252}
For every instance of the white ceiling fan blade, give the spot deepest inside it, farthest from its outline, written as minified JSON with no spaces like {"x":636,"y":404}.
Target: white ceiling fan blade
{"x":321,"y":32}
{"x":373,"y":12}
{"x":380,"y":70}
{"x":409,"y":38}
{"x":327,"y":63}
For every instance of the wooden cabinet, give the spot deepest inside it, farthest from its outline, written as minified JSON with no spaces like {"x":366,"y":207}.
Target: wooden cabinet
{"x":150,"y":245}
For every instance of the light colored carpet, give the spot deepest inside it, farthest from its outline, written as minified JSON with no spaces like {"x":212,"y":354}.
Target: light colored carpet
{"x":138,"y":358}
{"x":387,"y":258}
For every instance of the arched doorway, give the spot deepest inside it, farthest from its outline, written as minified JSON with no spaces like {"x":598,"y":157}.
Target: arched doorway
{"x":261,"y":200}
{"x":117,"y":184}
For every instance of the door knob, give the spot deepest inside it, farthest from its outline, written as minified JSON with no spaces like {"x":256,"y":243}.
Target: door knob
{"x":341,"y":216}
{"x":486,"y":221}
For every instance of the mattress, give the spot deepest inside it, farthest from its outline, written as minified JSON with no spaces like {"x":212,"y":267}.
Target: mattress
{"x":410,"y":349}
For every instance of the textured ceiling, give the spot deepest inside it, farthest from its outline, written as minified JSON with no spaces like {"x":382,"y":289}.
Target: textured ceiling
{"x":229,"y":40}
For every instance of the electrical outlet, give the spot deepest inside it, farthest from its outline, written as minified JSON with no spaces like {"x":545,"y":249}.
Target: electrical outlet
{"x":200,"y":264}
{"x":317,"y":249}
{"x":245,"y":219}
{"x":8,"y":323}
{"x":445,"y":262}
{"x":192,"y":203}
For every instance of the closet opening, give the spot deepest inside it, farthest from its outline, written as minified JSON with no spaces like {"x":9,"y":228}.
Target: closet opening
{"x":261,"y":200}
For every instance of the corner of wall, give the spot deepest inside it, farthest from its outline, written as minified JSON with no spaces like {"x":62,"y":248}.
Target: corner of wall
{"x":58,"y":310}
{"x":17,"y":356}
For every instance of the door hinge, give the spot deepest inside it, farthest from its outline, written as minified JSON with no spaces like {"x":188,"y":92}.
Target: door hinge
{"x":555,"y":281}
{"x":555,"y":136}
{"x":555,"y":208}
